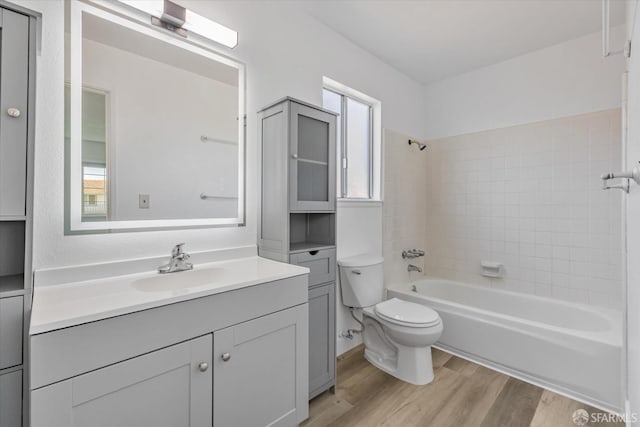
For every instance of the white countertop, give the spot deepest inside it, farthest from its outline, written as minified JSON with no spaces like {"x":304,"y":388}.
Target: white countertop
{"x":71,"y":304}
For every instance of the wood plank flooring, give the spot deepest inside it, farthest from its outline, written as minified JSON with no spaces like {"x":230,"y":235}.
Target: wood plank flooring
{"x":462,"y":394}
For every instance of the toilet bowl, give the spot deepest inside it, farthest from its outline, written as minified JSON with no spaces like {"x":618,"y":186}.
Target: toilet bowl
{"x":397,"y":334}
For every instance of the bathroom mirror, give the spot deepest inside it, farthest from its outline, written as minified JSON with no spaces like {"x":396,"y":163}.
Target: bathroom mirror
{"x":154,"y":128}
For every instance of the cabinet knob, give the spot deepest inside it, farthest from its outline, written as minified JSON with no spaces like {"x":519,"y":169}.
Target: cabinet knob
{"x":294,"y":156}
{"x":225,"y":357}
{"x":203,"y":367}
{"x":13,"y":112}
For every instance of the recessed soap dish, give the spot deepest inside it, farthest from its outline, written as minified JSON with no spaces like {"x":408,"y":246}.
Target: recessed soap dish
{"x":492,"y":269}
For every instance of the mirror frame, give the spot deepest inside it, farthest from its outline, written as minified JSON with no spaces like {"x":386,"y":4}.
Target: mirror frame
{"x":73,"y":184}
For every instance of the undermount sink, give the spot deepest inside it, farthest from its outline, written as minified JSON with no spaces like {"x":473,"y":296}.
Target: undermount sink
{"x":178,"y":281}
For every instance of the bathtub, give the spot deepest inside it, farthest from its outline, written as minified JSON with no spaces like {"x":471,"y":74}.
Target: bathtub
{"x":572,"y":349}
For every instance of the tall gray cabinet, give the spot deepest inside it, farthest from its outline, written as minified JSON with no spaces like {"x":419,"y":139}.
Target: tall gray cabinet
{"x":298,"y":215}
{"x":16,"y":127}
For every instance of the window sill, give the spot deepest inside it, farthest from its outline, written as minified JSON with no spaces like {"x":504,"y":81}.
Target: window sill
{"x":359,"y":203}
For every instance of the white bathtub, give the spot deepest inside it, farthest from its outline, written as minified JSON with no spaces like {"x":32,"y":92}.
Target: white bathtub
{"x":572,"y":349}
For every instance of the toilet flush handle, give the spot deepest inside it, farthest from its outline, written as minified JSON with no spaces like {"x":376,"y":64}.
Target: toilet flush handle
{"x":358,"y":272}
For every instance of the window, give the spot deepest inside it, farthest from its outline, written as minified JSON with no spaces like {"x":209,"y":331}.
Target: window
{"x":94,"y":190}
{"x":358,"y":157}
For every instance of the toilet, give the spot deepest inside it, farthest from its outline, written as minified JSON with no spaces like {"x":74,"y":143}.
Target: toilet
{"x":397,"y":334}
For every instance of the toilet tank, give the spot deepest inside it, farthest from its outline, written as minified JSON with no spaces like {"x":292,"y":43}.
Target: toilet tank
{"x":361,"y":280}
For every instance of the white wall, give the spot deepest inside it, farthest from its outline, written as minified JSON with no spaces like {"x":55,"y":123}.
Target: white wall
{"x":359,"y":230}
{"x":157,"y":115}
{"x":286,"y":53}
{"x":567,"y":79}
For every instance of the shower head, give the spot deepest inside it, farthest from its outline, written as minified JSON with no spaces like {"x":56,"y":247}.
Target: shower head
{"x":418,"y":143}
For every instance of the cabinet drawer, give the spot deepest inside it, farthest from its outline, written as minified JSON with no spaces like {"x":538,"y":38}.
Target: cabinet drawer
{"x":322,"y":264}
{"x":10,"y":332}
{"x":11,"y":399}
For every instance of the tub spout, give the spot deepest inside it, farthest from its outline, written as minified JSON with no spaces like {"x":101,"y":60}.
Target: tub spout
{"x":412,"y":267}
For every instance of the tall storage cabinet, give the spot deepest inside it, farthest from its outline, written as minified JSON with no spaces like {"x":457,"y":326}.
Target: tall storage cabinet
{"x":17,"y":49}
{"x":298,"y":215}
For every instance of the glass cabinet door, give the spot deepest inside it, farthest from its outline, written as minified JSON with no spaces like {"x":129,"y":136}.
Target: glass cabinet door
{"x":312,"y":164}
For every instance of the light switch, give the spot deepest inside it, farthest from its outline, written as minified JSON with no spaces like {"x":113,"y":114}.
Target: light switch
{"x":143,"y":201}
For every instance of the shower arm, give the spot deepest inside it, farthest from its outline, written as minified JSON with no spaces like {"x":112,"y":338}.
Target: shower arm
{"x":418,"y":143}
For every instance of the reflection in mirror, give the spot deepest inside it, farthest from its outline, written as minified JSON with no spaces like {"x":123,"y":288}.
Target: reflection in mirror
{"x":157,"y":135}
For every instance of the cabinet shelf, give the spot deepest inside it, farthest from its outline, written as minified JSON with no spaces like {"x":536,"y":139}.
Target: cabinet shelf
{"x":13,"y":218}
{"x":11,"y":285}
{"x":314,"y":162}
{"x":308,"y":246}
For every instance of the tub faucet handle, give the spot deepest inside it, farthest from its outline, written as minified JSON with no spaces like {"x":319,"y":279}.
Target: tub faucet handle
{"x":412,"y":253}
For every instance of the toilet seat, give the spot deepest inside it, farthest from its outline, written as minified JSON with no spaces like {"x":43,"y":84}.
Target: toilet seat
{"x":406,"y":313}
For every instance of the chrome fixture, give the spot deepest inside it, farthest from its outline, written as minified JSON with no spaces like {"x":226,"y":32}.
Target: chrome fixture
{"x":351,"y":333}
{"x":225,"y":357}
{"x":182,"y":21}
{"x":412,"y":253}
{"x":178,"y":261}
{"x":606,"y":30}
{"x":412,"y":267}
{"x":418,"y":143}
{"x":205,"y":138}
{"x":634,"y":175}
{"x":203,"y":366}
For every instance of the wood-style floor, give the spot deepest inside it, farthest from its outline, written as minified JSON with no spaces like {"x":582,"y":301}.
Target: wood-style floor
{"x":462,"y":394}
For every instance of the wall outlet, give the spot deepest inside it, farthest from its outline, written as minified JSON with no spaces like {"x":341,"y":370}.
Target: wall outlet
{"x":143,"y":201}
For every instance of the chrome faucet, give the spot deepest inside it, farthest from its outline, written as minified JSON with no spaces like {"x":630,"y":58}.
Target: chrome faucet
{"x":178,"y":261}
{"x":412,"y":267}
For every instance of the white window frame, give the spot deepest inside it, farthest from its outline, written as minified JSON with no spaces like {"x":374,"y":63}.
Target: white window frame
{"x":375,"y":162}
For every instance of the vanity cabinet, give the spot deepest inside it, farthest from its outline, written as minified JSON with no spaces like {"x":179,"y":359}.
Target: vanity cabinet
{"x":17,"y":102}
{"x":298,"y":215}
{"x":236,"y":358}
{"x":165,"y":388}
{"x":256,"y":368}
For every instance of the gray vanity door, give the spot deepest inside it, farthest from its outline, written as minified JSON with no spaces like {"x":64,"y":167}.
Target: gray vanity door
{"x":260,"y":371}
{"x":166,"y":388}
{"x":322,"y":342}
{"x":312,"y":179}
{"x":11,"y":399}
{"x":14,"y":69}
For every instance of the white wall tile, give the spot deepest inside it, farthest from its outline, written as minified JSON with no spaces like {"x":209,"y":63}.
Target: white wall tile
{"x":528,"y":196}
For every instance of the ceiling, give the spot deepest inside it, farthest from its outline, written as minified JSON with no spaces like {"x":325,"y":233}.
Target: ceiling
{"x":430,"y":40}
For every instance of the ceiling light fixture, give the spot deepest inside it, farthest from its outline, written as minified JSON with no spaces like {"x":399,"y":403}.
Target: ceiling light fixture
{"x":175,"y":18}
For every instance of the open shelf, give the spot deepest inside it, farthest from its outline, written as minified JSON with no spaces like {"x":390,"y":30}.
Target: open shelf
{"x":11,"y":285}
{"x":311,"y":231}
{"x":11,"y":257}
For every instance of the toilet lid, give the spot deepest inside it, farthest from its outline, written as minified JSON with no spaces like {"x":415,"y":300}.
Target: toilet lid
{"x":407,"y":313}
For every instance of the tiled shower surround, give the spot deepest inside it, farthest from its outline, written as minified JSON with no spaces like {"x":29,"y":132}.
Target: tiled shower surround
{"x":530,"y":198}
{"x":526,"y":196}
